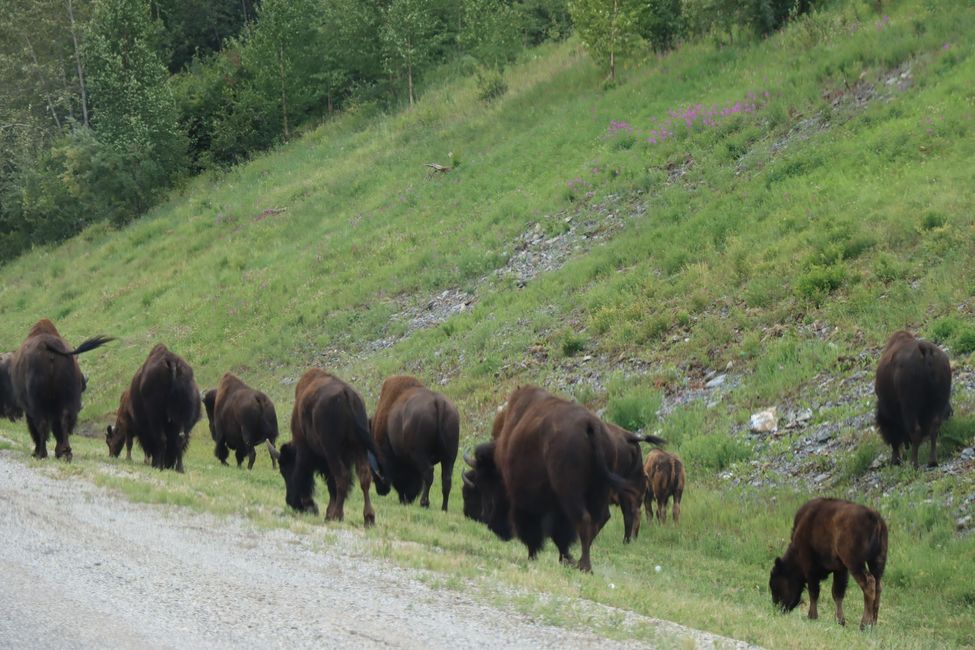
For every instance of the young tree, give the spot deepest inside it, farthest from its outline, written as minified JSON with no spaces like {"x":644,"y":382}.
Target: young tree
{"x":608,"y":28}
{"x":491,"y":32}
{"x":411,"y":33}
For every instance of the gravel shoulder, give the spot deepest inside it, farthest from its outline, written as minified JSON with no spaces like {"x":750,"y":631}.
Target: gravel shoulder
{"x":82,"y":567}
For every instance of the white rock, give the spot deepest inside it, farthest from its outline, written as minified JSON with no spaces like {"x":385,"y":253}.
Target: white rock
{"x":658,"y":568}
{"x":766,"y":421}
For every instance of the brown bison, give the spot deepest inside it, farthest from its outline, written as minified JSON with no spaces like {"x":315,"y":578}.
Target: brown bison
{"x":164,"y":405}
{"x":43,"y":381}
{"x":627,"y":462}
{"x":913,"y":388}
{"x":123,"y":432}
{"x":838,"y":537}
{"x":665,"y":481}
{"x":329,"y":433}
{"x":9,"y":408}
{"x":240,"y":419}
{"x":414,"y":428}
{"x":546,"y":474}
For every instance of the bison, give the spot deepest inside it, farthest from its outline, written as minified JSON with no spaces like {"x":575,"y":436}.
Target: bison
{"x":164,"y":407}
{"x":838,"y":537}
{"x":43,"y":381}
{"x":913,"y":388}
{"x":329,"y":433}
{"x":665,"y":480}
{"x":627,"y":462}
{"x":414,"y":428}
{"x":240,"y":419}
{"x":123,"y":432}
{"x":546,"y":474}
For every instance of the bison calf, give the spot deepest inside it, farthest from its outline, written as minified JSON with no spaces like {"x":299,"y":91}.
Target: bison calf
{"x":240,"y":419}
{"x":838,"y":537}
{"x":913,"y":388}
{"x":123,"y":432}
{"x":665,"y":481}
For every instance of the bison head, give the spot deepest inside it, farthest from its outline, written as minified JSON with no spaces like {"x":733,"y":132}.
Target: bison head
{"x":786,"y":585}
{"x":116,"y":436}
{"x":299,"y":483}
{"x":9,"y":406}
{"x":484,"y":494}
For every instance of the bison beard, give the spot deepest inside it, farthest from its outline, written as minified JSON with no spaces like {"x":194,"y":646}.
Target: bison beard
{"x":240,"y":418}
{"x":43,"y":381}
{"x":414,"y":428}
{"x":913,"y":387}
{"x":546,"y":475}
{"x":838,"y":537}
{"x":165,"y":405}
{"x":329,"y":434}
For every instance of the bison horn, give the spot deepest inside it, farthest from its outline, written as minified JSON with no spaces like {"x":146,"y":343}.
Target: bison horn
{"x":467,"y":481}
{"x":470,"y":461}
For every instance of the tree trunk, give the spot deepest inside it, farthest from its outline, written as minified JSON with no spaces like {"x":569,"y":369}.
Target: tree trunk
{"x":409,"y":80}
{"x":77,"y":61}
{"x":284,"y":94}
{"x":612,"y":66}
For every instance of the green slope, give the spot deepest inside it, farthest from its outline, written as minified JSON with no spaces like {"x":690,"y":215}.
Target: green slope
{"x":829,"y":203}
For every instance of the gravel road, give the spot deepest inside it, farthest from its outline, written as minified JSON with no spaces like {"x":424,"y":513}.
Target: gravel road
{"x":81,"y":567}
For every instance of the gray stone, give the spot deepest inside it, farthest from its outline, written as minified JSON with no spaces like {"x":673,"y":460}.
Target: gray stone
{"x":717,"y":381}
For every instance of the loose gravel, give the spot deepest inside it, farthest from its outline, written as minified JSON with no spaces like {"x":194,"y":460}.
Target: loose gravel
{"x":81,"y":567}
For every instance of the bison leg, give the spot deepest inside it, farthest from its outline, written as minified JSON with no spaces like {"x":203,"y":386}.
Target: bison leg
{"x":530,"y":531}
{"x":221,"y":451}
{"x":876,"y":600}
{"x":240,"y":454}
{"x":128,"y":448}
{"x":586,"y":534}
{"x":62,"y":448}
{"x":626,"y":507}
{"x":662,"y":511}
{"x":446,"y":475}
{"x":564,"y":536}
{"x":38,"y":433}
{"x":648,"y":504}
{"x":868,"y":585}
{"x":427,"y":477}
{"x":915,"y":447}
{"x":251,"y":457}
{"x":813,"y":597}
{"x":840,"y":579}
{"x":933,"y":452}
{"x":365,"y":480}
{"x":895,"y":453}
{"x":675,"y":510}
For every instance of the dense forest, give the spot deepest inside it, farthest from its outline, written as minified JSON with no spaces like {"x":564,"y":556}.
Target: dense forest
{"x":105,"y":104}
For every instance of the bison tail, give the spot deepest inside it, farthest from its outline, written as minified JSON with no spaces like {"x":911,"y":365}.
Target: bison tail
{"x":372,"y":454}
{"x":601,"y":467}
{"x":90,"y":344}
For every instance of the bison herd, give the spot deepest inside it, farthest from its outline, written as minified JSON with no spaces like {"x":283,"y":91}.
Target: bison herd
{"x":551,"y":469}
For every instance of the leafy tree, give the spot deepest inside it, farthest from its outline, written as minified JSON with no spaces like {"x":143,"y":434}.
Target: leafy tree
{"x":490,"y":32}
{"x":661,"y":23}
{"x":543,"y":20}
{"x":192,"y":28}
{"x":608,"y":28}
{"x":412,"y":32}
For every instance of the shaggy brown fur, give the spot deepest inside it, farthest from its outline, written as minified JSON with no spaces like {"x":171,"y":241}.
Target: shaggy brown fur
{"x":546,"y":475}
{"x":47,"y":386}
{"x":329,"y":434}
{"x":838,"y":537}
{"x":123,"y":433}
{"x":665,"y":481}
{"x":240,"y":418}
{"x":627,"y":461}
{"x":164,"y":407}
{"x":415,"y":428}
{"x":913,"y":388}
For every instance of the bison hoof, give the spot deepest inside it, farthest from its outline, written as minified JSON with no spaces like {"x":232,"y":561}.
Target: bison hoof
{"x":841,"y":621}
{"x":370,"y":520}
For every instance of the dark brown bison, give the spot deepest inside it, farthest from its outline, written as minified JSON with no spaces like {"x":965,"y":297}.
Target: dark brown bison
{"x":329,"y":433}
{"x":546,"y":474}
{"x":665,"y":481}
{"x":240,"y":419}
{"x":46,"y":384}
{"x":913,"y":388}
{"x":627,"y":462}
{"x":123,"y":432}
{"x":415,"y":428}
{"x":9,"y":407}
{"x":838,"y":537}
{"x":164,"y":407}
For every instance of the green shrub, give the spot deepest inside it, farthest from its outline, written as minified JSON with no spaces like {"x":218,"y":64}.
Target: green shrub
{"x":490,"y":84}
{"x":714,"y":451}
{"x":820,"y":281}
{"x":661,"y":23}
{"x":943,"y":331}
{"x":957,"y":433}
{"x":635,"y":409}
{"x":857,"y":463}
{"x":965,"y":341}
{"x":572,"y":344}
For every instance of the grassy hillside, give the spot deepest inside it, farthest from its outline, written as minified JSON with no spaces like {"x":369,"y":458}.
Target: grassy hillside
{"x":762,"y":215}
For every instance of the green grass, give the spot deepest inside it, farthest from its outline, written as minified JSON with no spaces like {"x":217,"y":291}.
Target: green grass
{"x":819,"y":207}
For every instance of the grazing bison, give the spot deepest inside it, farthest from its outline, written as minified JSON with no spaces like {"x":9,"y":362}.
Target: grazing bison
{"x":46,"y":384}
{"x":838,"y":537}
{"x":665,"y":480}
{"x":627,"y":462}
{"x":414,"y":428}
{"x":546,"y":474}
{"x":9,"y":408}
{"x":329,"y":433}
{"x":913,"y":388}
{"x":164,"y":407}
{"x":123,"y":432}
{"x":240,"y":419}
